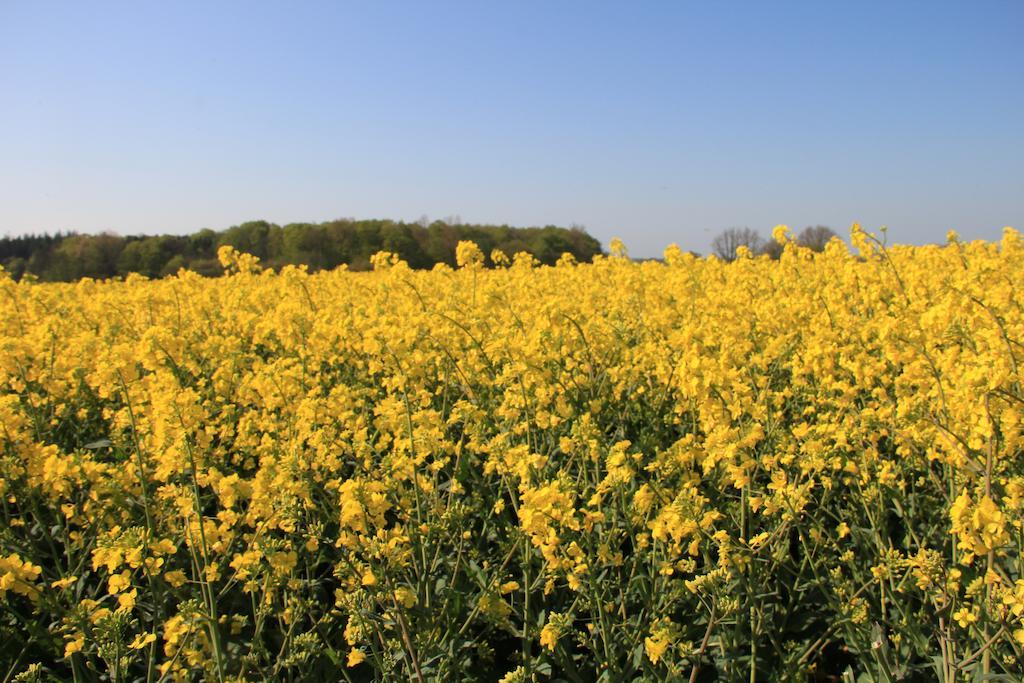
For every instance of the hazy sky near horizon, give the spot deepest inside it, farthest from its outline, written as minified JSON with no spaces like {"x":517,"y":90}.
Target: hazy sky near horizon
{"x":654,"y":122}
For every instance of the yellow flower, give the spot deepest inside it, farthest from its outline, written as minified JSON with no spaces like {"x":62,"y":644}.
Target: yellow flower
{"x":655,"y":648}
{"x":126,"y":600}
{"x":405,"y":597}
{"x":499,"y":258}
{"x":468,"y":254}
{"x":118,"y":582}
{"x":287,"y":425}
{"x":965,"y":617}
{"x":661,"y":638}
{"x":517,"y":675}
{"x":673,"y":255}
{"x":142,"y":640}
{"x":164,"y":546}
{"x":990,"y":524}
{"x":176,"y":578}
{"x":549,"y":636}
{"x":556,"y":626}
{"x":245,"y":564}
{"x":64,"y":583}
{"x":19,"y":576}
{"x":981,"y":526}
{"x":74,"y":645}
{"x":283,"y":562}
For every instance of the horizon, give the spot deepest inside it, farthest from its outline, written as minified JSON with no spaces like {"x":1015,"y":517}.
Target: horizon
{"x":766,"y":236}
{"x":657,"y":124}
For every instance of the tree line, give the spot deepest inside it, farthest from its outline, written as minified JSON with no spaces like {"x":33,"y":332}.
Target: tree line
{"x":725,"y":244}
{"x":65,"y":257}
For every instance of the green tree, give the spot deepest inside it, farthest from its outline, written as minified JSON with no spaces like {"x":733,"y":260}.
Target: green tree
{"x":251,"y":237}
{"x":81,"y":256}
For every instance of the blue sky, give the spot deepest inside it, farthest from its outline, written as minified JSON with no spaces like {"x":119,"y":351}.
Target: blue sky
{"x":654,"y":122}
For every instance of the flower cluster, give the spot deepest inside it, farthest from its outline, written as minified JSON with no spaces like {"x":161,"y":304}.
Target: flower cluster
{"x":621,"y":470}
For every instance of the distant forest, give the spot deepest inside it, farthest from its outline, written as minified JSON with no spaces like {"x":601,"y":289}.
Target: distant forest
{"x":66,"y":257}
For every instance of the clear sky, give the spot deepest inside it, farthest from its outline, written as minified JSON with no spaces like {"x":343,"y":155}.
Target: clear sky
{"x":654,"y":122}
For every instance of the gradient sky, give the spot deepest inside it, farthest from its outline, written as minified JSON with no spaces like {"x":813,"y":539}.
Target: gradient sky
{"x":654,"y":122}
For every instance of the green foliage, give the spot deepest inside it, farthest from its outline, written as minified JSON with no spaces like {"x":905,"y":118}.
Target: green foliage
{"x":320,"y":246}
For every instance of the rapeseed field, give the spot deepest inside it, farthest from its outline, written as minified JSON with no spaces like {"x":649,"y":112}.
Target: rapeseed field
{"x":809,"y":468}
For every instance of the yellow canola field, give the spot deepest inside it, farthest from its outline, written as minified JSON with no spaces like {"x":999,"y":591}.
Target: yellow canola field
{"x":680,"y":470}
